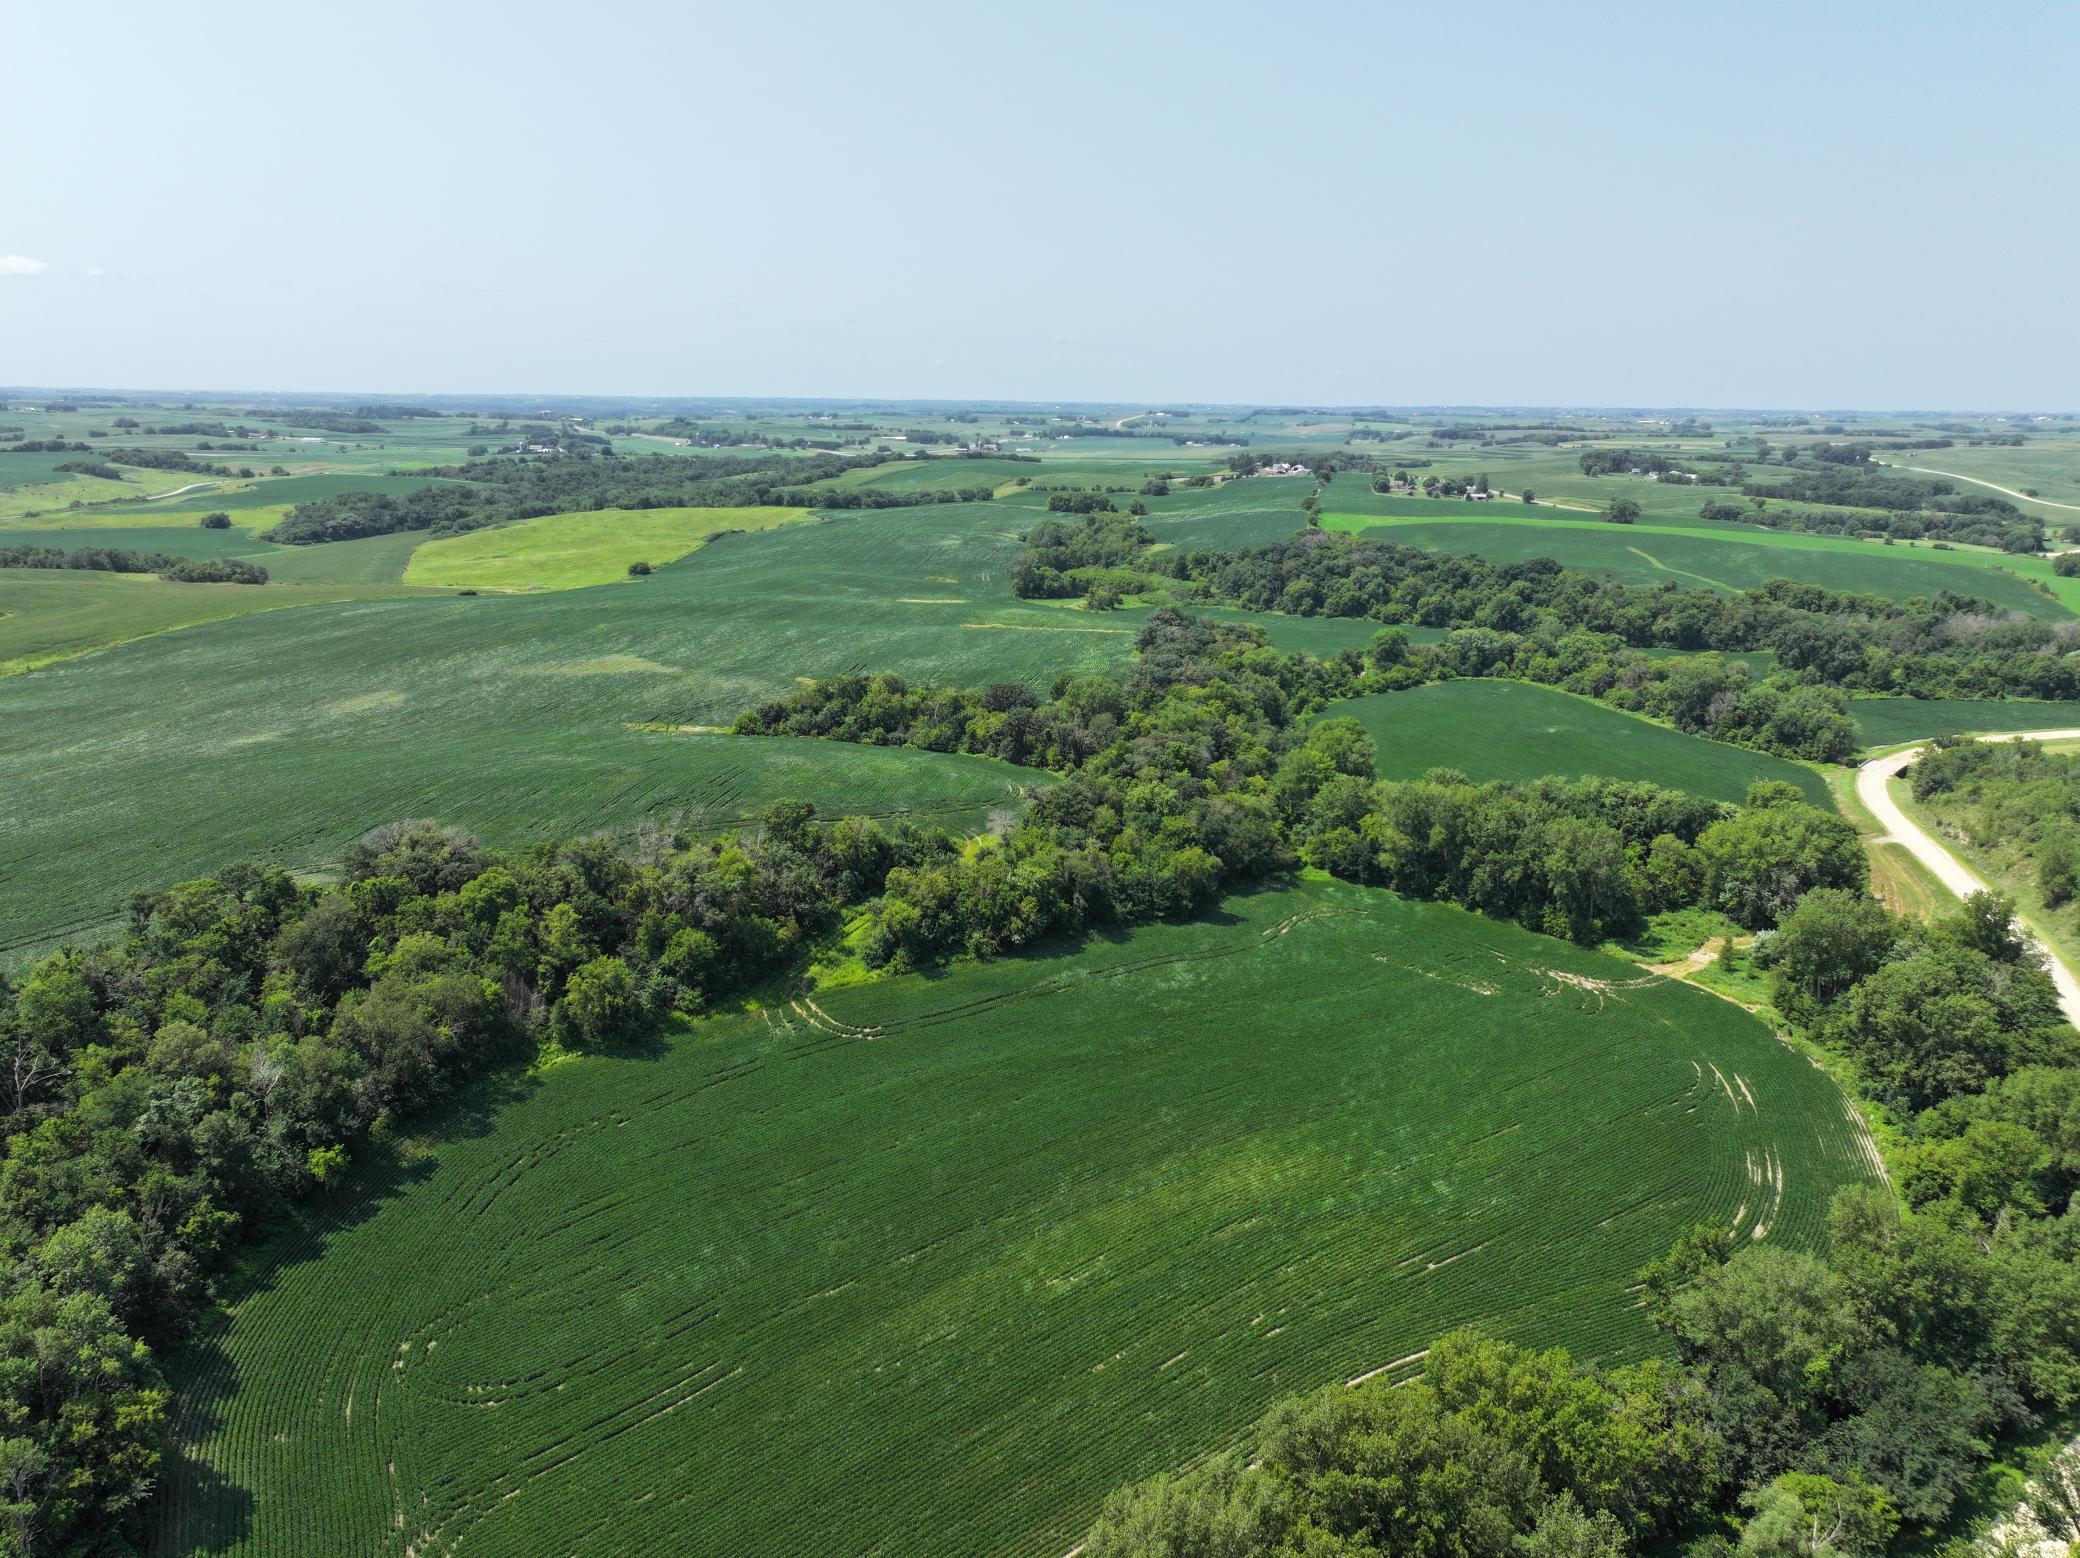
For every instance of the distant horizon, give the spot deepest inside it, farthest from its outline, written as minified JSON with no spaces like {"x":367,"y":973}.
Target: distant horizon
{"x":1153,"y":404}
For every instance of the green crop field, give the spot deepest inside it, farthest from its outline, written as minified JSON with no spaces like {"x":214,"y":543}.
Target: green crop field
{"x":569,"y":551}
{"x":1235,"y":514}
{"x":926,"y":1266}
{"x":287,"y":734}
{"x":1725,"y":558}
{"x":28,"y":470}
{"x":366,"y":560}
{"x":49,"y":615}
{"x":1513,"y":730}
{"x":1887,"y":722}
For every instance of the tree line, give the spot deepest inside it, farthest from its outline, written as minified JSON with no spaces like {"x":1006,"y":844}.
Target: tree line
{"x":495,"y":492}
{"x":1531,"y":621}
{"x":114,"y":559}
{"x":1944,"y":646}
{"x":1201,"y":770}
{"x":2014,"y":795}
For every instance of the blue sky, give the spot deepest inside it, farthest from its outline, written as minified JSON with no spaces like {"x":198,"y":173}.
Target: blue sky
{"x":1828,"y":205}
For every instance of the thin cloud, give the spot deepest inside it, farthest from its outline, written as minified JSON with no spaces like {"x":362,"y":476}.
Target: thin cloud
{"x":20,"y":265}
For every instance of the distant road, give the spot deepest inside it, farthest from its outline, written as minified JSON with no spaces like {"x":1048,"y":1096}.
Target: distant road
{"x":1929,"y":470}
{"x":1871,"y":782}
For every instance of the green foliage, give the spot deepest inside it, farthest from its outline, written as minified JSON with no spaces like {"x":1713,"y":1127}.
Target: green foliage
{"x":1494,"y":1451}
{"x":1759,"y":864}
{"x":1196,"y":774}
{"x":98,"y":559}
{"x":1805,"y":1515}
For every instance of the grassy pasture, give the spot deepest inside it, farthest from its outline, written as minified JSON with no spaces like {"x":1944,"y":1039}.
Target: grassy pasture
{"x":2051,"y":466}
{"x":56,"y":497}
{"x":570,"y":551}
{"x":1724,"y":558}
{"x":1514,"y":730}
{"x":285,"y":735}
{"x":929,"y":1265}
{"x":284,"y":491}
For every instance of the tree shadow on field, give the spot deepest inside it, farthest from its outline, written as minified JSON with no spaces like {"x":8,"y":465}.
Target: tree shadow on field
{"x":1071,"y":943}
{"x":197,"y":1508}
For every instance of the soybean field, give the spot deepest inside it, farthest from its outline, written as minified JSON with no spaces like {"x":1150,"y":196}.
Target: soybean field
{"x":1888,"y":721}
{"x":928,"y":1265}
{"x":1515,"y":730}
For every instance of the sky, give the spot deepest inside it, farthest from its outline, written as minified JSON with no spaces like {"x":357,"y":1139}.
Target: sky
{"x":1811,"y":205}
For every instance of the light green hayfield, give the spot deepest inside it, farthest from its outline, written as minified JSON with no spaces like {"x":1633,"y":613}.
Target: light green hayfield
{"x":570,"y":551}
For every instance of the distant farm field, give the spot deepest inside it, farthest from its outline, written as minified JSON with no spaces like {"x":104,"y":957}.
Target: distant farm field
{"x":1512,"y":730}
{"x":1889,"y":721}
{"x":1729,"y":558}
{"x":288,"y":490}
{"x":285,"y":735}
{"x":1256,"y":512}
{"x":50,"y":614}
{"x":2051,"y":467}
{"x":570,"y":551}
{"x":927,"y":1266}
